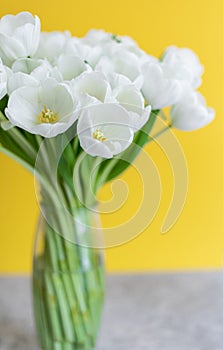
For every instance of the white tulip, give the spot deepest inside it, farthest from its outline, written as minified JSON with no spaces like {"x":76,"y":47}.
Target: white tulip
{"x":52,"y":45}
{"x":19,"y":36}
{"x":91,"y":88}
{"x":103,"y":130}
{"x":71,"y":67}
{"x":132,"y":100}
{"x":186,"y":64}
{"x":27,"y":72}
{"x":36,"y":67}
{"x":88,"y":54}
{"x":47,"y":110}
{"x":191,"y":113}
{"x":122,"y":62}
{"x":96,"y":37}
{"x":108,"y":40}
{"x":99,"y":36}
{"x":160,"y":89}
{"x":3,"y":80}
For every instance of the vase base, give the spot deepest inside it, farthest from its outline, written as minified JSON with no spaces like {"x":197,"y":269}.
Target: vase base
{"x":56,"y":345}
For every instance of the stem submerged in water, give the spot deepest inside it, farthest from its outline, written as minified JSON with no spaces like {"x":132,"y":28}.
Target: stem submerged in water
{"x":68,"y":293}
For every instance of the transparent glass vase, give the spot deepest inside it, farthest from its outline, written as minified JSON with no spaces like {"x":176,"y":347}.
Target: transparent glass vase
{"x":68,"y":290}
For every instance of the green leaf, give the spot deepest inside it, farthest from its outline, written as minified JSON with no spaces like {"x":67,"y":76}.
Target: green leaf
{"x":4,"y":103}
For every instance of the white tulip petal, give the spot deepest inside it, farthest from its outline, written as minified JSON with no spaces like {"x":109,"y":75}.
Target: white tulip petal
{"x":25,"y":65}
{"x":24,"y":35}
{"x":117,"y":80}
{"x":3,"y":80}
{"x":14,"y":21}
{"x":70,"y":66}
{"x":57,"y":96}
{"x":138,"y":120}
{"x":52,"y":45}
{"x":127,"y":64}
{"x":10,"y":49}
{"x":63,"y":102}
{"x":130,"y":97}
{"x":39,"y":69}
{"x":36,"y":36}
{"x":3,"y":90}
{"x":50,"y":130}
{"x":9,"y":23}
{"x":120,"y":61}
{"x":93,"y":85}
{"x":56,"y":74}
{"x":18,"y":80}
{"x":22,"y":105}
{"x":6,"y":24}
{"x":105,"y":65}
{"x":90,"y":55}
{"x":132,"y":100}
{"x":104,"y":130}
{"x":94,"y":148}
{"x":95,"y":36}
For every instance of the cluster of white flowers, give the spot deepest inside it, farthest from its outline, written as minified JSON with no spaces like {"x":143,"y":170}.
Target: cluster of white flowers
{"x":103,"y":82}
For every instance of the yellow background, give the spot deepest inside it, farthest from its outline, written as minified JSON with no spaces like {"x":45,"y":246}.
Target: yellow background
{"x":196,"y":240}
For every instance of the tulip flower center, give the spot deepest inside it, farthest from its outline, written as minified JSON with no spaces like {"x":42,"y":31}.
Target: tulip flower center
{"x":98,"y":135}
{"x":47,"y":116}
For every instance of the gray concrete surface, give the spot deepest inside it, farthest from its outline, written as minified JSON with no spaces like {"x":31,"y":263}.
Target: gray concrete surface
{"x":142,"y":312}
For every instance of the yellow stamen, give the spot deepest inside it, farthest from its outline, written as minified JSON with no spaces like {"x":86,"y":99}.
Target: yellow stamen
{"x":47,"y":116}
{"x":98,"y":135}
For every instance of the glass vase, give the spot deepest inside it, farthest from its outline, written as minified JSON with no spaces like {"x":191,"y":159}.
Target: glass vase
{"x":68,"y":288}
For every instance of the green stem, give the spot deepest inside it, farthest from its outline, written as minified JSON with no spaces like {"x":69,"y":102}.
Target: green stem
{"x":12,"y":155}
{"x":72,"y":295}
{"x":70,"y":289}
{"x":19,"y":139}
{"x":52,"y":308}
{"x":161,"y":132}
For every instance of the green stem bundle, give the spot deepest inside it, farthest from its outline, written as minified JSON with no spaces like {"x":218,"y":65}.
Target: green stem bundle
{"x":68,"y":285}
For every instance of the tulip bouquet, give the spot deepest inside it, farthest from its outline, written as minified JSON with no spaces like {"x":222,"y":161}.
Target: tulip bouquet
{"x":76,"y":112}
